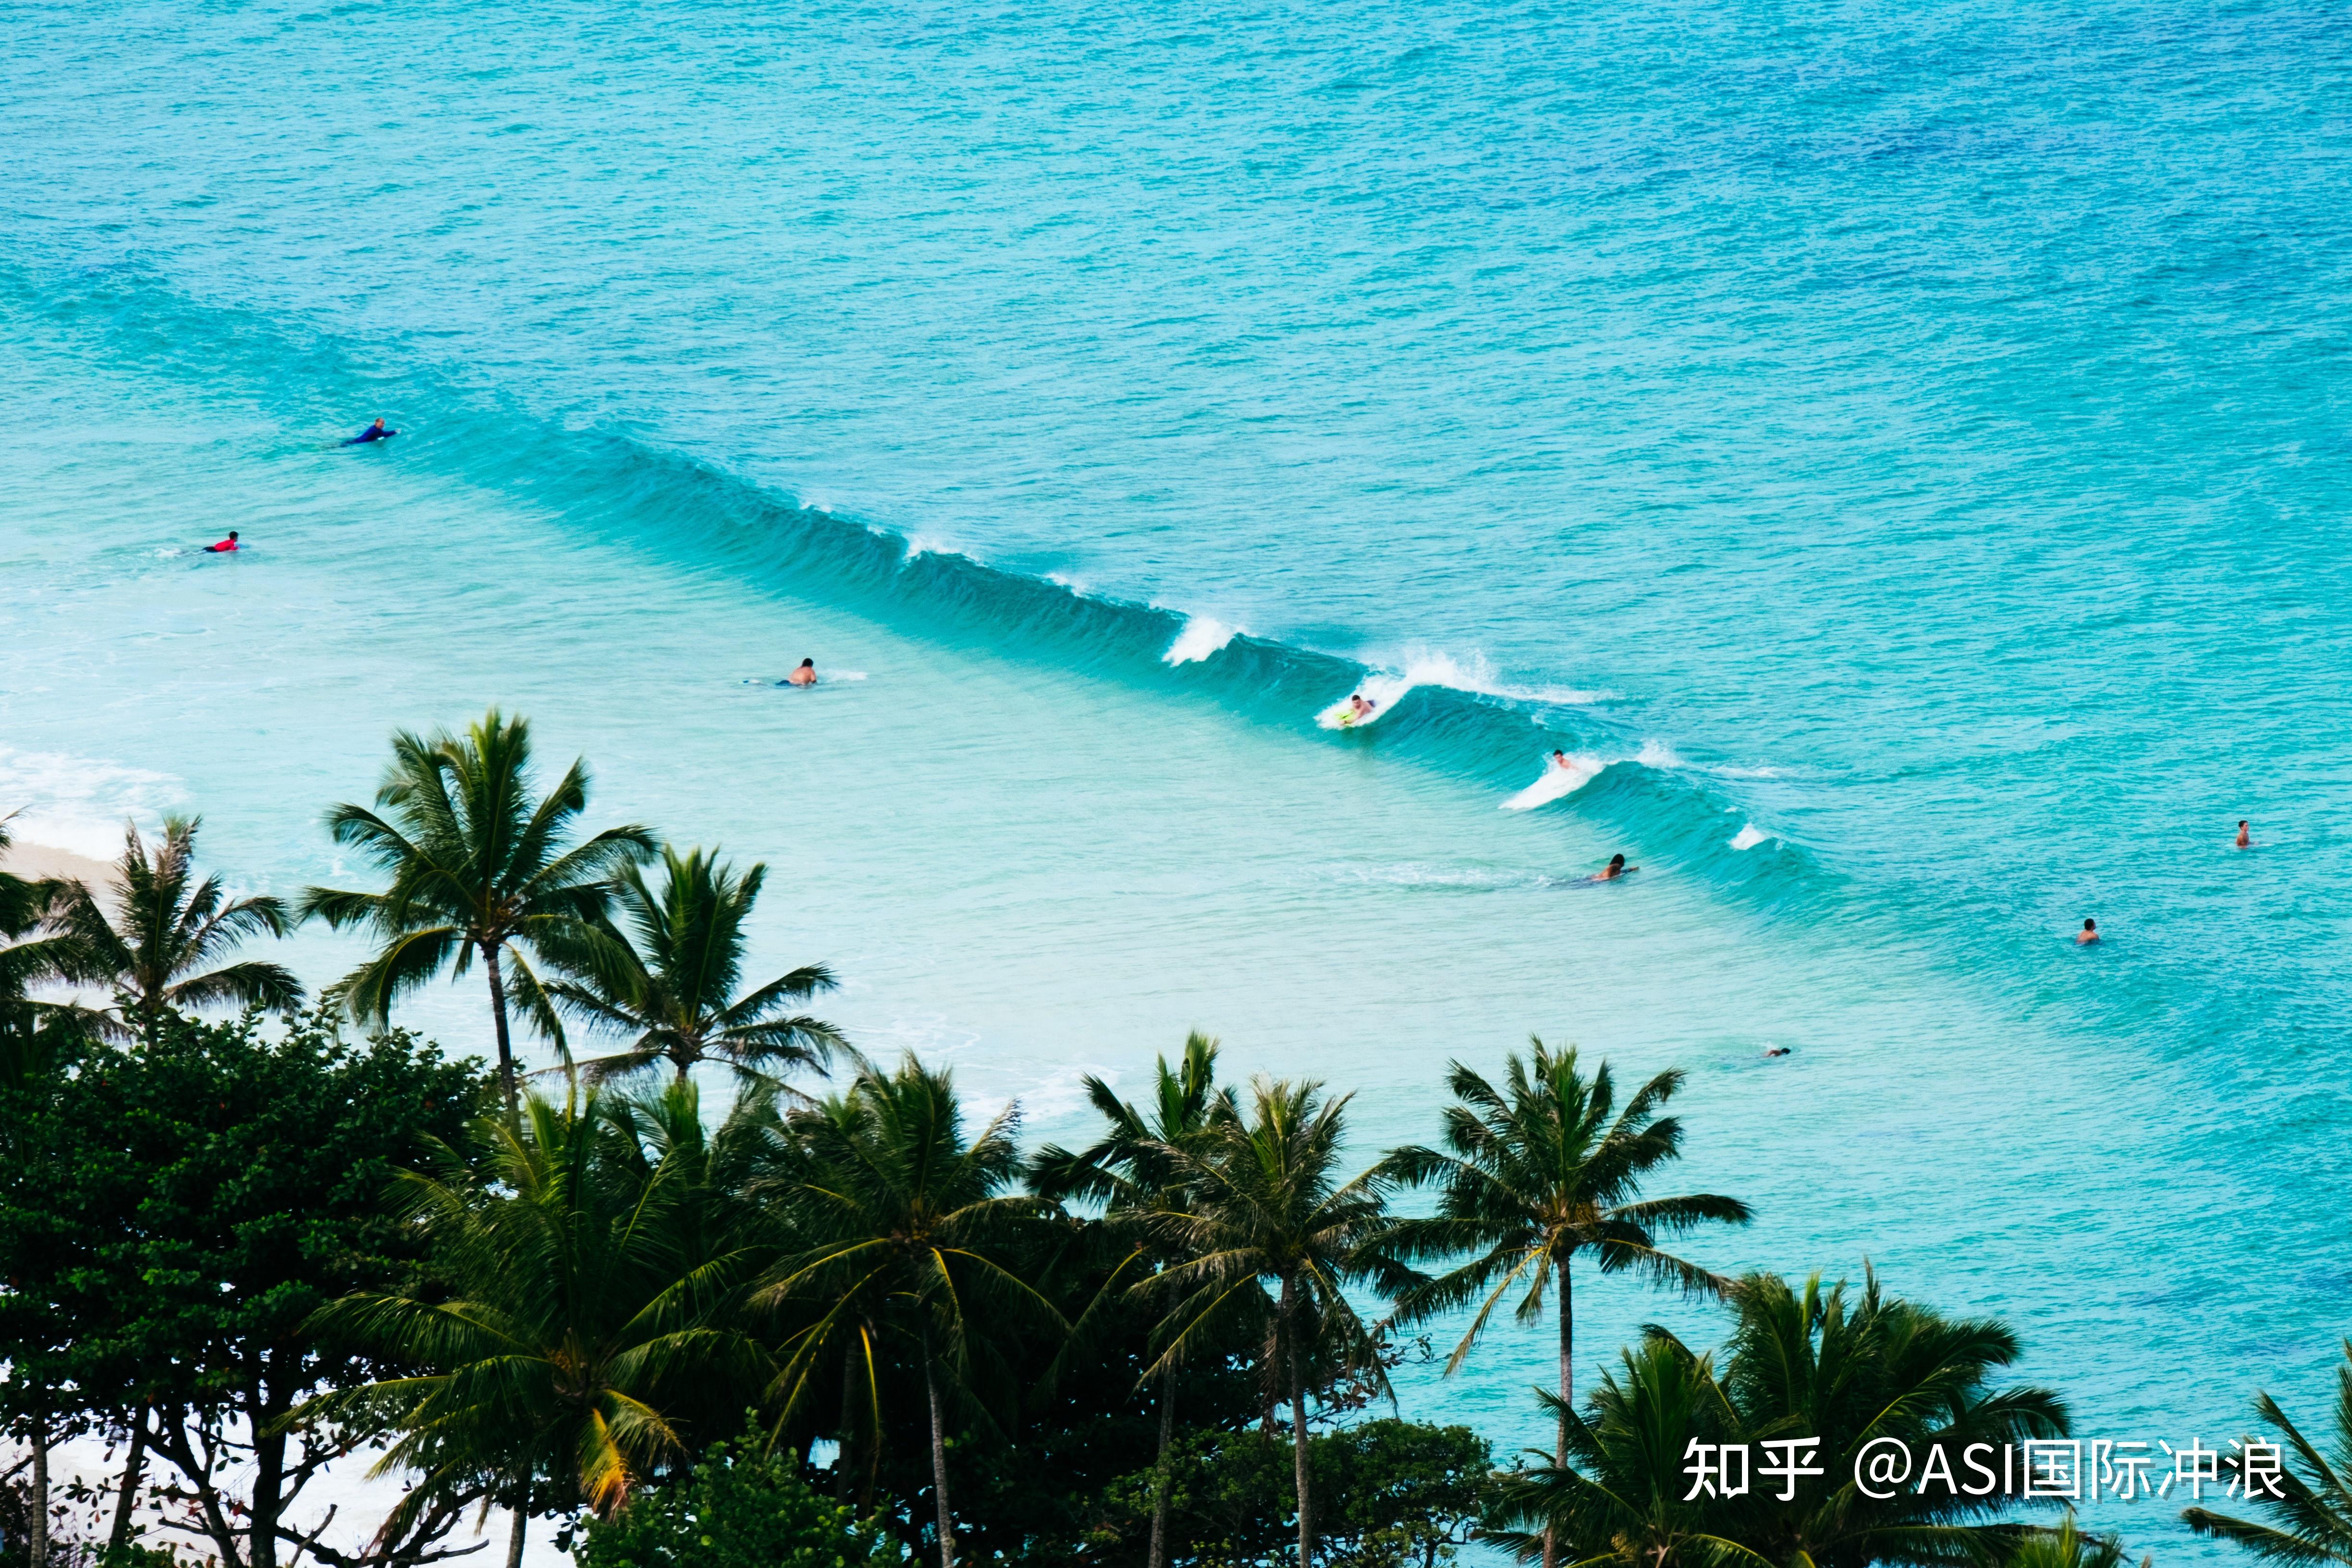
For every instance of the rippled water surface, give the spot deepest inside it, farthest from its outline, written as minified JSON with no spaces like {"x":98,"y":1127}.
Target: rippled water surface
{"x":1900,"y":452}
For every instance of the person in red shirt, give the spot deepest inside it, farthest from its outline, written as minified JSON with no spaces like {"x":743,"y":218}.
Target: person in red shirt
{"x":225,"y":546}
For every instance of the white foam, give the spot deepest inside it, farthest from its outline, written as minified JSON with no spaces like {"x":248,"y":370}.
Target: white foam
{"x":1383,"y":691}
{"x":917,"y":544}
{"x":1658,"y":754}
{"x":79,"y":803}
{"x":1559,"y":780}
{"x":1433,"y":667}
{"x":1202,"y":635}
{"x":1746,"y":772}
{"x":1749,"y":838}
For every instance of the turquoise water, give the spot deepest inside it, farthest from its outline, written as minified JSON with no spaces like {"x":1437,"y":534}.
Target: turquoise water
{"x":1907,"y":446}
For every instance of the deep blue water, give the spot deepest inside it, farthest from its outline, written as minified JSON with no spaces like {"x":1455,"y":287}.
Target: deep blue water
{"x":1908,"y":446}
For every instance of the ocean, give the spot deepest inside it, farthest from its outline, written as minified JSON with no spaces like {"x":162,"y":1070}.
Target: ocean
{"x":1899,"y":453}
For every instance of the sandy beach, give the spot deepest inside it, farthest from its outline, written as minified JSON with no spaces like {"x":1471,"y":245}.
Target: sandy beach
{"x":34,"y":861}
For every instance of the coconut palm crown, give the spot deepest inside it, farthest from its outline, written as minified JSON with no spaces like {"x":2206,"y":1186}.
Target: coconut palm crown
{"x":480,"y":867}
{"x":666,"y":975}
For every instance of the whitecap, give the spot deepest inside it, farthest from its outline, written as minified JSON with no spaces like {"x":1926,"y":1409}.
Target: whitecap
{"x":1201,"y":636}
{"x":1749,"y":838}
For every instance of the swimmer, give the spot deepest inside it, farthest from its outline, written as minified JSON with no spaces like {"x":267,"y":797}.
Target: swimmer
{"x":2088,"y":935}
{"x":225,"y":546}
{"x":1559,"y":760}
{"x":1779,"y":1050}
{"x":804,"y":675}
{"x":1614,"y":869}
{"x":2245,"y":838}
{"x":375,"y":432}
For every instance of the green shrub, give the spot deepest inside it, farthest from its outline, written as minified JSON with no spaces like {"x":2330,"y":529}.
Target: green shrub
{"x":740,"y":1508}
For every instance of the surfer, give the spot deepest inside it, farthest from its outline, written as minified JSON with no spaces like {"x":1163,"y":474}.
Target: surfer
{"x":2088,"y":935}
{"x":1779,"y":1050}
{"x":804,"y":675}
{"x":375,"y":432}
{"x":225,"y":546}
{"x":1614,"y":869}
{"x":1559,"y":760}
{"x":1359,"y":708}
{"x":2245,"y":838}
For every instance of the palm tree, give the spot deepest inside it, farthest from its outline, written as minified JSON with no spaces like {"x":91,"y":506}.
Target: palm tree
{"x":479,"y":869}
{"x":576,"y":1316}
{"x":1840,"y":1373}
{"x":1267,"y":1208}
{"x":2067,"y":1547}
{"x":1852,"y":1371}
{"x":1618,"y":1492}
{"x":1535,"y":1174}
{"x":163,"y":930}
{"x":2310,"y":1500}
{"x":1125,"y":1170}
{"x":669,"y":981}
{"x":909,"y":1223}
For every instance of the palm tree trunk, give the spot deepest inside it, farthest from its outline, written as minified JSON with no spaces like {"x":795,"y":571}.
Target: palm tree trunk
{"x":1160,"y":1466}
{"x":515,"y":1531}
{"x":939,"y":1459}
{"x":491,"y":952}
{"x":120,"y":1536}
{"x":39,"y":1554}
{"x":848,"y":1421}
{"x":1297,"y":1431}
{"x":1567,"y":1394}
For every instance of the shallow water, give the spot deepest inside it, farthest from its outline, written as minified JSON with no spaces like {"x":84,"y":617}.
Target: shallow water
{"x":1904,"y":446}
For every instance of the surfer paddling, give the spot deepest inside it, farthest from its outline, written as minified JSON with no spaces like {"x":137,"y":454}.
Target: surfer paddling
{"x":375,"y":432}
{"x":1614,"y":869}
{"x":225,"y":546}
{"x":804,"y":675}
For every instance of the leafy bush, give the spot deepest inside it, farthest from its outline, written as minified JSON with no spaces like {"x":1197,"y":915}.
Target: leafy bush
{"x":740,"y":1508}
{"x":1389,"y":1494}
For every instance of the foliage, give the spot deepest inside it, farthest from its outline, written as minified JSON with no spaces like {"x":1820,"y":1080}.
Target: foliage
{"x":1269,"y":1215}
{"x":183,"y":1204}
{"x":2067,"y":1547}
{"x":584,"y":1274}
{"x":912,"y":1230}
{"x":479,"y":868}
{"x":2311,"y":1522}
{"x":153,"y":947}
{"x":666,"y":975}
{"x":743,"y":1506}
{"x":1534,"y":1175}
{"x":1817,"y":1364}
{"x":1399,"y":1494}
{"x":1127,"y":1171}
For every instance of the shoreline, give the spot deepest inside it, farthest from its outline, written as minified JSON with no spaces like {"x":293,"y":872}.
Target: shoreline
{"x":34,"y":861}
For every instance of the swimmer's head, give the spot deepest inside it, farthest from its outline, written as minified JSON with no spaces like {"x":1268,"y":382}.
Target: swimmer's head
{"x":1616,"y":861}
{"x":232,"y":534}
{"x":2089,"y":925}
{"x":379,"y":421}
{"x":808,"y":664}
{"x":2242,"y":822}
